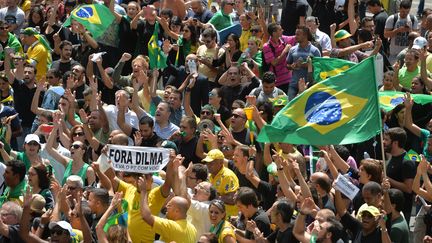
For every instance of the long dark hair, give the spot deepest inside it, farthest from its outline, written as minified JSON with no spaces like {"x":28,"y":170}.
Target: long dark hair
{"x":39,"y":10}
{"x":43,"y":175}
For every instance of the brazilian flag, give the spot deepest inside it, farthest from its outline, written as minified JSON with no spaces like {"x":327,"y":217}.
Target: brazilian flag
{"x":96,"y":18}
{"x":390,"y":99}
{"x":323,"y":68}
{"x":340,"y":110}
{"x":412,"y":155}
{"x":120,"y":217}
{"x":156,"y":55}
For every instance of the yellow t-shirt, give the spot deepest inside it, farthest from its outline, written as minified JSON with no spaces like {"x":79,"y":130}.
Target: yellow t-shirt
{"x":178,"y":231}
{"x":227,"y":230}
{"x":429,"y":63}
{"x":139,"y":230}
{"x":25,"y":6}
{"x":209,"y":55}
{"x":226,"y":182}
{"x":41,"y":56}
{"x":244,"y":38}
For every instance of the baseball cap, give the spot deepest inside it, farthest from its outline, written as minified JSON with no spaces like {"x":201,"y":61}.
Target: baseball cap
{"x":29,"y":31}
{"x":208,"y":107}
{"x":419,"y":43}
{"x":170,"y":145}
{"x":62,"y":224}
{"x":38,"y":203}
{"x":342,"y":34}
{"x":213,"y":155}
{"x":32,"y":137}
{"x":368,"y":208}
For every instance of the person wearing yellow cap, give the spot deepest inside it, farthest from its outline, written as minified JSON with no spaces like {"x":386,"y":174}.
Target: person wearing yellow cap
{"x":223,"y":179}
{"x":354,"y":53}
{"x":38,"y":52}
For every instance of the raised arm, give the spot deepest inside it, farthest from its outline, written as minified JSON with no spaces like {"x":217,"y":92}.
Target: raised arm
{"x":24,"y":229}
{"x":408,"y":102}
{"x":116,"y":15}
{"x":35,"y":101}
{"x":115,"y":202}
{"x":51,"y":151}
{"x":423,"y":69}
{"x":300,"y":223}
{"x":145,"y":210}
{"x":187,"y":99}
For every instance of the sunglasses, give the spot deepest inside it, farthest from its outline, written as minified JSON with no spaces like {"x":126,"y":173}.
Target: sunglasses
{"x":211,"y":94}
{"x":49,"y":77}
{"x":79,"y":134}
{"x":255,"y":31}
{"x":75,"y":146}
{"x":205,"y":113}
{"x":71,"y":188}
{"x":237,"y":116}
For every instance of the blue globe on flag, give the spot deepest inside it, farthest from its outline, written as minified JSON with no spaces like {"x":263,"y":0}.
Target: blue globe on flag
{"x":323,"y":109}
{"x":85,"y":12}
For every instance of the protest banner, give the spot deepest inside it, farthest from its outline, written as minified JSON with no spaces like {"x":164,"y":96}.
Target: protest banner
{"x":138,"y":159}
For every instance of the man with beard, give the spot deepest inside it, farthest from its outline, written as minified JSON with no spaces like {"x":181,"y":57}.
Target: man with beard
{"x":400,"y":172}
{"x":65,"y":63}
{"x":24,"y":90}
{"x":145,"y":135}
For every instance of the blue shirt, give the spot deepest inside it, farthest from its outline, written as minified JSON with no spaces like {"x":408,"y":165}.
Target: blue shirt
{"x":298,"y":53}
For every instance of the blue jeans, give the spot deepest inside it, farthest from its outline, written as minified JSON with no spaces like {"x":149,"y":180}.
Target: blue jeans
{"x":292,"y":90}
{"x":420,"y":7}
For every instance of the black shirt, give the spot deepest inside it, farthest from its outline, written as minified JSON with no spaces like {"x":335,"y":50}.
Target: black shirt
{"x":187,"y":150}
{"x":63,"y":66}
{"x":23,"y":97}
{"x":144,"y":32}
{"x":151,"y":142}
{"x":13,"y":235}
{"x":263,"y":223}
{"x":286,"y":236}
{"x":238,"y":92}
{"x":355,"y":227}
{"x":292,"y":10}
{"x":399,"y":170}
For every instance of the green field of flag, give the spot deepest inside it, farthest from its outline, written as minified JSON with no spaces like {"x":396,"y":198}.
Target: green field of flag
{"x":390,"y":99}
{"x":324,"y":68}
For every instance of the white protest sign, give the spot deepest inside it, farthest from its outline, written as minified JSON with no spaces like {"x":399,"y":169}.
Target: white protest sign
{"x":346,"y":187}
{"x":138,"y":159}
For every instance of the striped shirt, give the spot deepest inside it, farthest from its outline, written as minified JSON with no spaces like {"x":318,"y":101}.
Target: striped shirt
{"x":283,"y":75}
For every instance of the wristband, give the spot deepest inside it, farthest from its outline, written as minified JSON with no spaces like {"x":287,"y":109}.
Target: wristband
{"x":188,"y":89}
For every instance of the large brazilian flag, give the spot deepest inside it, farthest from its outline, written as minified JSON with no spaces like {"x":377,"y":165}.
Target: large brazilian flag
{"x":96,"y":18}
{"x":340,"y":110}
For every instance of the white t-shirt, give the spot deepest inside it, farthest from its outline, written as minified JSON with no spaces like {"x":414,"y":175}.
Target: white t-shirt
{"x":111,"y":113}
{"x":400,"y":41}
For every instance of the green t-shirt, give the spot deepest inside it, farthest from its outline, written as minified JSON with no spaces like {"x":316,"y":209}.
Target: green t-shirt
{"x":399,"y":231}
{"x":406,"y":77}
{"x":220,"y":20}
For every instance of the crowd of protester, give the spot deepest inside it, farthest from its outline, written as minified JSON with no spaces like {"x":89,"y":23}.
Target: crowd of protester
{"x":66,"y":96}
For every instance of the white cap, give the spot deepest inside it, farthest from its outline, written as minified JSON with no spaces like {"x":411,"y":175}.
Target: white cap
{"x":32,"y":137}
{"x":419,"y":43}
{"x":64,"y":225}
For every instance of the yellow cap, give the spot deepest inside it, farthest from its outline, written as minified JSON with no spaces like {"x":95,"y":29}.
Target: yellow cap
{"x":214,"y":154}
{"x":368,"y":208}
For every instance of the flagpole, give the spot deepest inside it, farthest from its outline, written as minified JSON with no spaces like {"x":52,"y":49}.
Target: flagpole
{"x":383,"y":153}
{"x":381,"y":125}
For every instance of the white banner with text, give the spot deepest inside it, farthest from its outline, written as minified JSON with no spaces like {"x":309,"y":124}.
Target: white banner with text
{"x":138,"y":159}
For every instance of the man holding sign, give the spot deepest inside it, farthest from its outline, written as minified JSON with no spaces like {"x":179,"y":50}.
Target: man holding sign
{"x":139,"y":230}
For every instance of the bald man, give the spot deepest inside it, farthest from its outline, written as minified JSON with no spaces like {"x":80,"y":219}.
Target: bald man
{"x":322,"y":184}
{"x":175,"y":226}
